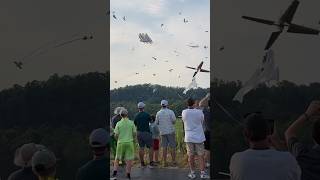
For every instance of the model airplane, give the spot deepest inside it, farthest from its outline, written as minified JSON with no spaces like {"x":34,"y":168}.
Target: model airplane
{"x":18,"y":64}
{"x":193,"y":46}
{"x":198,"y":69}
{"x":145,"y":38}
{"x":284,"y":21}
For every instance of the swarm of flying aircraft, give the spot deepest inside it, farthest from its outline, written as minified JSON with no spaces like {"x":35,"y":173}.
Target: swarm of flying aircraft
{"x":145,"y":38}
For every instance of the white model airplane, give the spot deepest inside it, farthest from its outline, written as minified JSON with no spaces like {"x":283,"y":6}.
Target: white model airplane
{"x":267,"y":72}
{"x":199,"y":68}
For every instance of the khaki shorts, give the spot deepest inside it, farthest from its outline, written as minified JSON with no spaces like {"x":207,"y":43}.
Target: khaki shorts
{"x":168,"y":140}
{"x":195,"y":149}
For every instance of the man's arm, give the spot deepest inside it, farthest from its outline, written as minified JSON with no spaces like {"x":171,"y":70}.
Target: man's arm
{"x":134,"y":133}
{"x":135,"y":120}
{"x":116,"y":131}
{"x":157,"y":119}
{"x":292,"y":131}
{"x":204,"y":101}
{"x":173,"y":117}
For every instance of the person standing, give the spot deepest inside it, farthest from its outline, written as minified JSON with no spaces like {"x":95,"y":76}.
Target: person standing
{"x":194,"y":138}
{"x":260,"y":161}
{"x":165,"y":119}
{"x":114,"y":120}
{"x":142,"y":120}
{"x":205,"y":106}
{"x":44,"y":164}
{"x":125,"y":132}
{"x":95,"y":168}
{"x":23,"y":158}
{"x":156,"y":139}
{"x":308,"y":158}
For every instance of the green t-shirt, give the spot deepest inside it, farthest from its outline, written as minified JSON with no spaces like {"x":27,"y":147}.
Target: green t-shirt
{"x":124,"y":130}
{"x":95,"y":169}
{"x":142,"y":120}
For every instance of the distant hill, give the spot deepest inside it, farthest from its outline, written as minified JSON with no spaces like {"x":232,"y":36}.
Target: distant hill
{"x":151,"y":95}
{"x":60,"y":101}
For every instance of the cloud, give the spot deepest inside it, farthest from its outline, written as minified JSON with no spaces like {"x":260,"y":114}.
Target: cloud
{"x":151,"y":7}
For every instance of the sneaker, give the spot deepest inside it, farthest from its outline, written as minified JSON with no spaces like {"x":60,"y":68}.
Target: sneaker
{"x":204,"y":175}
{"x":143,"y":164}
{"x":113,"y":178}
{"x":128,"y":176}
{"x":174,"y":164}
{"x":192,"y":175}
{"x":151,"y":165}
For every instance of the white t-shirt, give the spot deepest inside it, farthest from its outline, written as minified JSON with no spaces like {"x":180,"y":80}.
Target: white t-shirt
{"x":165,"y":119}
{"x":267,"y":164}
{"x":192,"y":121}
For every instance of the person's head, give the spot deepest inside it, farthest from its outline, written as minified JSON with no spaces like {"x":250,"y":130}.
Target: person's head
{"x":256,"y":128}
{"x":23,"y":155}
{"x":190,"y":102}
{"x":164,"y":103}
{"x":124,"y":113}
{"x":316,"y":131}
{"x":98,"y":141}
{"x":117,"y":110}
{"x":141,"y":106}
{"x":44,"y":163}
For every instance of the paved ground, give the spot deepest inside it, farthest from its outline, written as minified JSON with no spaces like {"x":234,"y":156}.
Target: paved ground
{"x":156,"y":174}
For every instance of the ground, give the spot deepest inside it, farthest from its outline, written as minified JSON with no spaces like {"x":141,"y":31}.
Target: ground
{"x":155,"y":174}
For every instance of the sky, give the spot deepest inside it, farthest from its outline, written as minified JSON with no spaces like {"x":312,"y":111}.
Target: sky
{"x":27,"y":25}
{"x":296,"y":55}
{"x":129,"y":56}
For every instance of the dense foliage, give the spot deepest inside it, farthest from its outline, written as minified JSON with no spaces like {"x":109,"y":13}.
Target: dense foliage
{"x":152,"y":95}
{"x":59,"y":113}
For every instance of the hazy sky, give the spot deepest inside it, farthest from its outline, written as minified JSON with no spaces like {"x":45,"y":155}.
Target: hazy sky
{"x":26,"y":25}
{"x":129,"y":56}
{"x":296,"y":55}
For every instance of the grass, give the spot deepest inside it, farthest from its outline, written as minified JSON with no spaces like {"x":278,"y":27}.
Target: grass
{"x":181,"y":153}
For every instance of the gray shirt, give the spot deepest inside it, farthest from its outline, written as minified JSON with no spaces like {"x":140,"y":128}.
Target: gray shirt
{"x":308,"y":159}
{"x":165,"y":119}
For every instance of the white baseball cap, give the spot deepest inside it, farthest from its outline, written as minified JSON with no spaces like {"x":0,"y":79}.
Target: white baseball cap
{"x":141,"y":105}
{"x":117,"y":110}
{"x":23,"y":154}
{"x":164,"y":103}
{"x":123,"y":111}
{"x":43,"y":161}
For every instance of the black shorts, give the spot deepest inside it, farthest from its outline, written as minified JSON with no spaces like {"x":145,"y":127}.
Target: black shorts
{"x":207,"y":142}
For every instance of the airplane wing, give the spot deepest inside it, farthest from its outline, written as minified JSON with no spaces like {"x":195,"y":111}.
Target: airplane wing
{"x":274,"y":36}
{"x":288,"y":15}
{"x":259,"y":20}
{"x":203,"y":70}
{"x":293,"y":28}
{"x":191,"y":67}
